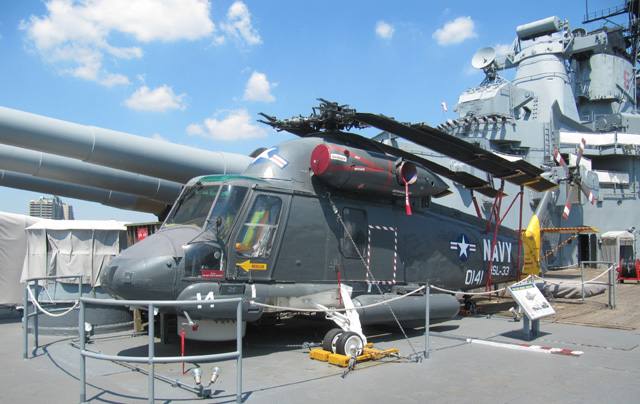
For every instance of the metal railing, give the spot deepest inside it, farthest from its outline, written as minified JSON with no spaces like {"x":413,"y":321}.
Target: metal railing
{"x":151,"y":359}
{"x":612,"y":281}
{"x":36,"y":306}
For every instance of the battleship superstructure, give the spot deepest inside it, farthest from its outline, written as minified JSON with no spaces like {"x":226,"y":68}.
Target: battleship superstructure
{"x":569,"y":85}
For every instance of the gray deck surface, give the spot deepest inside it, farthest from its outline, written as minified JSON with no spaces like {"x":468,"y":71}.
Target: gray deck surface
{"x":277,"y":369}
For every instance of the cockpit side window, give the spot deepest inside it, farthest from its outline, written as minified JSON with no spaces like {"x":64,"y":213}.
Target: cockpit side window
{"x":193,"y":206}
{"x":256,"y":237}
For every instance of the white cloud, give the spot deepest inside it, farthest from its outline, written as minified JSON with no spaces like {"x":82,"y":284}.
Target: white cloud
{"x":157,"y":136}
{"x":502,"y":49}
{"x":237,"y":125}
{"x":455,"y":31}
{"x":238,"y":25}
{"x":77,"y":33}
{"x":159,"y":99}
{"x":258,"y":88}
{"x":385,"y":30}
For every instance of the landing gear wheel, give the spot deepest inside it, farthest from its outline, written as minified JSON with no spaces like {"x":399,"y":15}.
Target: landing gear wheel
{"x":331,"y":338}
{"x":349,"y":344}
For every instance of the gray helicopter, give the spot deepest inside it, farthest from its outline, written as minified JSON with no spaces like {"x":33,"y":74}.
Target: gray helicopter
{"x":324,"y":221}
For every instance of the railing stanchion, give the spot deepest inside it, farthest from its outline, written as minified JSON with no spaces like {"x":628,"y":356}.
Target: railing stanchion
{"x":83,"y":359}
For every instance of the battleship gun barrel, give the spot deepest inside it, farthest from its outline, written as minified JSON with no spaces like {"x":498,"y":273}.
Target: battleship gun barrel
{"x":57,"y":168}
{"x":108,"y":198}
{"x":114,"y":149}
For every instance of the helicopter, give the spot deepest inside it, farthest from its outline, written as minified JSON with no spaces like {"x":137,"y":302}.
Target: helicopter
{"x":325,"y":221}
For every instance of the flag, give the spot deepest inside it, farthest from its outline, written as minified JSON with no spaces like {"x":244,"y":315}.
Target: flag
{"x":444,"y":106}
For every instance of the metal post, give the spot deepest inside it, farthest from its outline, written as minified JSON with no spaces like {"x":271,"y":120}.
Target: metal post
{"x":582,"y":279}
{"x":83,"y":359}
{"x":427,"y":320}
{"x":615,"y":288}
{"x":239,"y":349}
{"x":520,"y":231}
{"x":151,"y":353}
{"x":610,"y":286}
{"x":35,"y":318}
{"x":25,"y":322}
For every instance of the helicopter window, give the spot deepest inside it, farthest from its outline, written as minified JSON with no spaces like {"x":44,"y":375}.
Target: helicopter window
{"x":355,"y":221}
{"x":256,"y":237}
{"x":227,"y":206}
{"x":193,"y":206}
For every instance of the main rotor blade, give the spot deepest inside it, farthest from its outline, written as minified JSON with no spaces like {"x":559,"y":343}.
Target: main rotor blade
{"x":517,"y":172}
{"x":465,"y":179}
{"x":468,"y":181}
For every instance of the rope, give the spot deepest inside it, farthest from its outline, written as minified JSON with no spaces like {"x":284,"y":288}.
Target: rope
{"x":476,"y":293}
{"x":35,"y":303}
{"x":253,"y":302}
{"x":577,"y":283}
{"x":525,"y":280}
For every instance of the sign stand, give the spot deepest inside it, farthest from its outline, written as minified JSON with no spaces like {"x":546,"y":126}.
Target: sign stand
{"x":534,"y":305}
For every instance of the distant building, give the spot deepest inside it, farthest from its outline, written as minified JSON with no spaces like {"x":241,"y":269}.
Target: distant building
{"x":50,"y":208}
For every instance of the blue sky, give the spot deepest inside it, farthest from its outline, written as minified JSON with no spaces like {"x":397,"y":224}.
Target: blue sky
{"x":198,"y":72}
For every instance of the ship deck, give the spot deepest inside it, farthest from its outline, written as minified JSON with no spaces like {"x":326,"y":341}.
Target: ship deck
{"x":474,"y":358}
{"x":594,"y":311}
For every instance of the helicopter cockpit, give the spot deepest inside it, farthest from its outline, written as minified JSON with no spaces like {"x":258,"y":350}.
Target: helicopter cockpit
{"x":211,"y":205}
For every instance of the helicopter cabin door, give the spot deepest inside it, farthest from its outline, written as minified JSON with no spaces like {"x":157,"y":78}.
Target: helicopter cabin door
{"x":369,"y":251}
{"x":257,"y":240}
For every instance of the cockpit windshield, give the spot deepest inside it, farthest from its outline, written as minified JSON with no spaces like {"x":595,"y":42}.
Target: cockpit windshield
{"x":194,"y":206}
{"x":227,"y":206}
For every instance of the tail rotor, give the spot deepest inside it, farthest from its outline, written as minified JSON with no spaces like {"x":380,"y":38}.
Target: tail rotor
{"x":574,"y":179}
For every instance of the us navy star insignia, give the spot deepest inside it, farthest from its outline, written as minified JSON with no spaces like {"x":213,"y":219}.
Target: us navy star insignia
{"x":464,"y":248}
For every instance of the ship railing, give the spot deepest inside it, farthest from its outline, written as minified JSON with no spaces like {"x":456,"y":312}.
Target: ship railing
{"x":608,"y":12}
{"x":31,"y":300}
{"x":611,"y":282}
{"x":151,"y":359}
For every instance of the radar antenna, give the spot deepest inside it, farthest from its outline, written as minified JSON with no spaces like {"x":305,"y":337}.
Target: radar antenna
{"x":485,"y":59}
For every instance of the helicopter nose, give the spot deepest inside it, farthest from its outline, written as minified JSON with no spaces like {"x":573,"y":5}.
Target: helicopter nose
{"x":146,"y":278}
{"x":141,"y":273}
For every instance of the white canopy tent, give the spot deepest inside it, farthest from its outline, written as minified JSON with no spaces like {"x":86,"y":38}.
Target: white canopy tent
{"x":617,"y":245}
{"x":13,"y":247}
{"x":72,"y":247}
